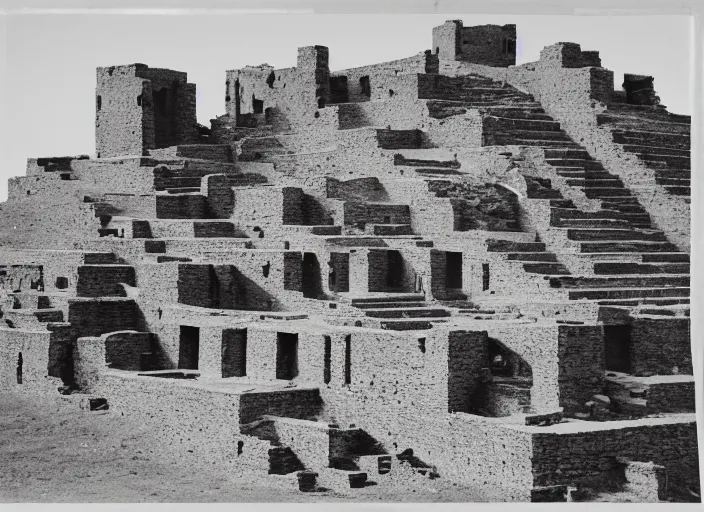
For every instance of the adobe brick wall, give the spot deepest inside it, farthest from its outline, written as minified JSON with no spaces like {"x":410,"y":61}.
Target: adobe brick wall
{"x":658,"y":346}
{"x":563,"y":457}
{"x":582,"y":364}
{"x":34,"y":347}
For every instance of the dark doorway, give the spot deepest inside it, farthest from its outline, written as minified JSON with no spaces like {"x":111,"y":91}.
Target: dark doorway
{"x":327,"y":356}
{"x":365,"y":86}
{"x":257,"y":105}
{"x":312,"y":286}
{"x":286,"y":356}
{"x":394,"y":273}
{"x":19,"y":368}
{"x":485,"y":276}
{"x":453,"y":270}
{"x":189,"y":345}
{"x":617,"y":342}
{"x":348,"y":359}
{"x":234,"y":353}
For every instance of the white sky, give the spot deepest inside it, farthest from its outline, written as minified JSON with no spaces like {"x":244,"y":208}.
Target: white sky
{"x":51,"y":59}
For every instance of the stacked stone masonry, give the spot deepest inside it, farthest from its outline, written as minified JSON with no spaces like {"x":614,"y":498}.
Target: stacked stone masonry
{"x":476,"y":268}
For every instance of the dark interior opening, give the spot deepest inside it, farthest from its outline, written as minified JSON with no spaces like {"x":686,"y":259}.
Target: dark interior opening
{"x":257,"y":105}
{"x":348,"y":359}
{"x":234,"y":353}
{"x":189,"y":345}
{"x":286,"y":355}
{"x":161,"y":101}
{"x":19,"y":368}
{"x":312,"y":285}
{"x":365,"y":86}
{"x":617,"y":341}
{"x":327,"y":356}
{"x":453,"y":270}
{"x":61,"y":283}
{"x":98,"y":102}
{"x":511,"y":46}
{"x":394,"y":273}
{"x":485,"y":276}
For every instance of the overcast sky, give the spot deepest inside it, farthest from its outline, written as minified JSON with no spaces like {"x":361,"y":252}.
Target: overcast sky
{"x":51,"y":59}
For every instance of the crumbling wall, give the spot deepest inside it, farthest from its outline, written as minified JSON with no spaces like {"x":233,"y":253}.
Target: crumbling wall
{"x":138,"y":108}
{"x":490,"y":45}
{"x":562,"y":456}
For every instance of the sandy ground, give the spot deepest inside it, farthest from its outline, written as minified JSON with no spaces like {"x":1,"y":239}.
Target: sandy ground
{"x":51,"y":451}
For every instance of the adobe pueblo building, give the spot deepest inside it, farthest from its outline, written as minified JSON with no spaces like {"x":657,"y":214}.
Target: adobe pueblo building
{"x":445,"y":264}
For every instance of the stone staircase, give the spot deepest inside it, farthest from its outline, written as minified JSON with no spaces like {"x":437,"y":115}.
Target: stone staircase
{"x":660,"y":140}
{"x":621,"y":227}
{"x":400,"y":312}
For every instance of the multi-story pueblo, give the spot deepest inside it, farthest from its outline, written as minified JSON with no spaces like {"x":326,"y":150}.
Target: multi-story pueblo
{"x":445,"y":265}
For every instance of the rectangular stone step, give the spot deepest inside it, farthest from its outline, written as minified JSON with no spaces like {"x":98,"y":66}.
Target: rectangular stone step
{"x":593,"y":223}
{"x":634,"y":246}
{"x":676,"y":257}
{"x":391,"y":304}
{"x":673,"y":182}
{"x":645,"y":300}
{"x":494,"y":245}
{"x":627,"y":293}
{"x":636,"y":137}
{"x":527,"y":124}
{"x":619,"y":282}
{"x":670,"y":160}
{"x":614,"y":234}
{"x":679,"y":191}
{"x":547,"y":257}
{"x":623,"y":207}
{"x":544,"y":143}
{"x":417,"y":162}
{"x":540,"y":134}
{"x":591,"y":165}
{"x":617,"y":267}
{"x":391,"y":297}
{"x":588,"y":183}
{"x":599,"y":192}
{"x":407,"y":312}
{"x":568,"y":154}
{"x":546,"y":268}
{"x":405,"y":325}
{"x":655,"y":150}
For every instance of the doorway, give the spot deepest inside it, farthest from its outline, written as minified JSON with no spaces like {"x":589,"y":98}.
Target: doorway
{"x":189,"y":345}
{"x":453,"y":270}
{"x":286,"y":356}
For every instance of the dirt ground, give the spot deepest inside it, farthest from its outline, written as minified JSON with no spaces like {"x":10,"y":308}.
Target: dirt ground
{"x":51,"y":451}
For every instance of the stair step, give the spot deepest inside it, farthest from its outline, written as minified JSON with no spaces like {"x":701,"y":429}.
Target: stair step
{"x":547,"y":257}
{"x":645,"y":300}
{"x":407,"y":312}
{"x":675,"y":257}
{"x":562,"y":203}
{"x":593,"y":223}
{"x":587,"y":234}
{"x":619,"y":281}
{"x":627,"y":293}
{"x":410,"y":297}
{"x":623,"y":207}
{"x":494,"y":245}
{"x":599,"y":192}
{"x":679,"y":191}
{"x":546,"y":268}
{"x":406,"y":325}
{"x":620,"y":267}
{"x":655,"y":150}
{"x":634,"y":246}
{"x":589,"y":183}
{"x":390,"y":304}
{"x":649,"y":138}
